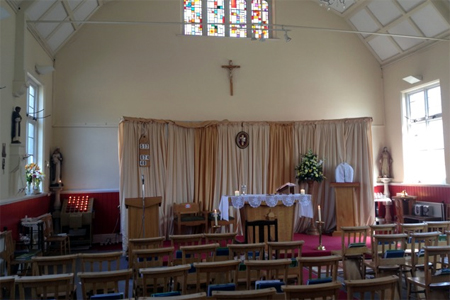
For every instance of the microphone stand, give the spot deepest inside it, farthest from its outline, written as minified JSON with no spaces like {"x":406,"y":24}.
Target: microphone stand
{"x":143,"y":206}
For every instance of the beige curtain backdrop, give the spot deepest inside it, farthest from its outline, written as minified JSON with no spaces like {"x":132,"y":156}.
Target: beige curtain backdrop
{"x":200,"y":162}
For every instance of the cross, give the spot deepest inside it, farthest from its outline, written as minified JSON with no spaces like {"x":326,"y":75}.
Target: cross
{"x":230,"y":68}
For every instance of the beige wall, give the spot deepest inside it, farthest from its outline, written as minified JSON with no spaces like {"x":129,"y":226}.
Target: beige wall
{"x":151,"y":71}
{"x":433,"y":64}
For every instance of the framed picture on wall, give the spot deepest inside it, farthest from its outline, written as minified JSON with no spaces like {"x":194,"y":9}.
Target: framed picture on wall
{"x":242,"y":139}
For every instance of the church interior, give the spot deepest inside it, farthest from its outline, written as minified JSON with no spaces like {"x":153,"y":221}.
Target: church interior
{"x":118,"y":117}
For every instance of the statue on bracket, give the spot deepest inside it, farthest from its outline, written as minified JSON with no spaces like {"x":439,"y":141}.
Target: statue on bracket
{"x":15,"y":126}
{"x":56,"y":159}
{"x":385,"y":162}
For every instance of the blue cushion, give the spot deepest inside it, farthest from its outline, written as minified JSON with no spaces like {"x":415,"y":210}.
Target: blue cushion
{"x":356,"y":245}
{"x":221,"y":287}
{"x":263,"y":284}
{"x":394,"y":253}
{"x":166,"y":294}
{"x":222,"y":251}
{"x":111,"y":296}
{"x":319,"y":280}
{"x":294,"y":263}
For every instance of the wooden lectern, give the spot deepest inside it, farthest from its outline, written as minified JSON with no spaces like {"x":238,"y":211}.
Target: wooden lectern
{"x":346,"y":205}
{"x":143,"y":217}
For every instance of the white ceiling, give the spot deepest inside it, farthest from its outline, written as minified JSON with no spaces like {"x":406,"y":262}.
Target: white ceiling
{"x":390,"y":28}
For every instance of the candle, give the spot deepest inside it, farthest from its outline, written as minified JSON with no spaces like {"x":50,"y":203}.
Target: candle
{"x":236,"y":193}
{"x":302,"y":191}
{"x":215,"y":217}
{"x":320,"y":215}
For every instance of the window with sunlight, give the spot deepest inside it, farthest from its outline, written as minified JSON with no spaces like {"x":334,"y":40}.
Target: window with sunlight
{"x":424,"y":139}
{"x":228,"y":18}
{"x":32,"y":124}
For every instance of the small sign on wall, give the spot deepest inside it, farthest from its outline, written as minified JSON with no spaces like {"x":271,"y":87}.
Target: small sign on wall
{"x":144,"y":151}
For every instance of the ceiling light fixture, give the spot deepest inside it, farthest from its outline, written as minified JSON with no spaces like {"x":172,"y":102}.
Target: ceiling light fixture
{"x":413,"y":79}
{"x":329,"y":3}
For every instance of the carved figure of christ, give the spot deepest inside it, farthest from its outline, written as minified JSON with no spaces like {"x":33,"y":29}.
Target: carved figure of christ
{"x":230,"y":68}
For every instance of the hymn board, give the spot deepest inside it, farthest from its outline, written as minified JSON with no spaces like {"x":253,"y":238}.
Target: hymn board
{"x":144,"y":151}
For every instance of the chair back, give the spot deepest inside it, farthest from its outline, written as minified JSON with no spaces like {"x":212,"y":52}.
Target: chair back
{"x":245,"y":252}
{"x":43,"y":287}
{"x":289,"y":249}
{"x":47,"y":219}
{"x":223,"y":239}
{"x":106,"y":261}
{"x":7,"y":287}
{"x":218,"y":272}
{"x":322,"y":268}
{"x":167,"y":279}
{"x":145,"y":243}
{"x":383,"y":286}
{"x":354,"y":240}
{"x":104,"y":282}
{"x":270,"y":269}
{"x":7,"y":249}
{"x":329,"y":290}
{"x":441,"y":226}
{"x":413,"y":227}
{"x":189,"y":214}
{"x":199,"y":253}
{"x":436,"y":266}
{"x":418,"y":240}
{"x":148,"y":258}
{"x":262,"y":294}
{"x":195,"y":296}
{"x":51,"y":265}
{"x":260,"y":231}
{"x":181,"y":240}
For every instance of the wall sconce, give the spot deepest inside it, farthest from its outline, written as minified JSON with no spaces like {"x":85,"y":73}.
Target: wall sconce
{"x":286,"y":37}
{"x":42,"y":70}
{"x":413,"y":79}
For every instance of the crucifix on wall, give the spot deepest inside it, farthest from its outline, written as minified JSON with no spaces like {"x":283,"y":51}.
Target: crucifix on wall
{"x":230,"y":68}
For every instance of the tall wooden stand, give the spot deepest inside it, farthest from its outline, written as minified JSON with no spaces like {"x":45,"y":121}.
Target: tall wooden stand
{"x":143,"y":217}
{"x":346,"y":205}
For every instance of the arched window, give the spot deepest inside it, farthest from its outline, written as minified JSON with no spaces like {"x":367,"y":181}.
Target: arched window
{"x":228,"y":18}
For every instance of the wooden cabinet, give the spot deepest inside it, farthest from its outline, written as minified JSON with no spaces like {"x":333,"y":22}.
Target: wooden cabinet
{"x":346,"y":204}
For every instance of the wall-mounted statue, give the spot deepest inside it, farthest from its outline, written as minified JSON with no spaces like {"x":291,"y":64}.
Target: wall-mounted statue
{"x":15,"y":126}
{"x":57,"y":159}
{"x":385,"y":162}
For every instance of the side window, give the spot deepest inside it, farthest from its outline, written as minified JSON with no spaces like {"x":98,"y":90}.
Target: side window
{"x":32,"y":123}
{"x":424,"y":138}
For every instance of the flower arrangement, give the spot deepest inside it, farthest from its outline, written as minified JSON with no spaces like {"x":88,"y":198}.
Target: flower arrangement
{"x":310,"y":168}
{"x":33,"y":172}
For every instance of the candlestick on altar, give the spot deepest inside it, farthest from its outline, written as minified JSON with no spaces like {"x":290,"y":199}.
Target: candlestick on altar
{"x":320,"y":225}
{"x":215,"y":214}
{"x":320,"y":214}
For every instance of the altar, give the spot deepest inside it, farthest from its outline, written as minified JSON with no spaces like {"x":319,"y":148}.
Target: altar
{"x":260,"y":207}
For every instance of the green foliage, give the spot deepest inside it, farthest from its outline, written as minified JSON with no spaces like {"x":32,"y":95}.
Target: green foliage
{"x":310,"y":168}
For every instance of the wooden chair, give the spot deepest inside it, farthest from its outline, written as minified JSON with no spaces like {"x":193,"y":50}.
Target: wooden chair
{"x":104,"y":282}
{"x":223,"y":239}
{"x":196,"y":296}
{"x":409,"y":228}
{"x":289,"y":249}
{"x":144,"y":243}
{"x":354,"y":247}
{"x":262,"y":294}
{"x":148,"y":258}
{"x":268,"y":270}
{"x":245,"y":252}
{"x":189,"y":215}
{"x":390,"y":259}
{"x":380,"y":229}
{"x":6,"y":252}
{"x":165,"y":279}
{"x":436,"y":278}
{"x":267,"y":231}
{"x":418,"y":241}
{"x":105,"y":261}
{"x":441,"y":226}
{"x":197,"y":254}
{"x":319,"y":269}
{"x":178,"y":241}
{"x":384,"y":286}
{"x":52,"y":265}
{"x":54,"y":243}
{"x":7,"y":287}
{"x":320,"y":290}
{"x":220,"y":275}
{"x":43,"y":287}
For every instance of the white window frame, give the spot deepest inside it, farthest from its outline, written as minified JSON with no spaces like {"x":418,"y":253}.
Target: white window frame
{"x":227,"y":23}
{"x":413,"y":151}
{"x":33,"y":122}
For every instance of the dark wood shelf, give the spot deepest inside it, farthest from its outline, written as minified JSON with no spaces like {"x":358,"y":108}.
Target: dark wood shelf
{"x":421,"y":218}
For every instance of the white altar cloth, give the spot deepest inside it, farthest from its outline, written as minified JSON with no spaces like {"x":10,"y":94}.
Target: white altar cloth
{"x":304,"y":203}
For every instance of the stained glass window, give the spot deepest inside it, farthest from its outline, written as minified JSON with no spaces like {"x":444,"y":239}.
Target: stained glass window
{"x":232,"y":18}
{"x":193,"y":17}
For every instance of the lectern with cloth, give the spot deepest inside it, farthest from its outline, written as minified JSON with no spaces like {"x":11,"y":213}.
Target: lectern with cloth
{"x":143,"y":217}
